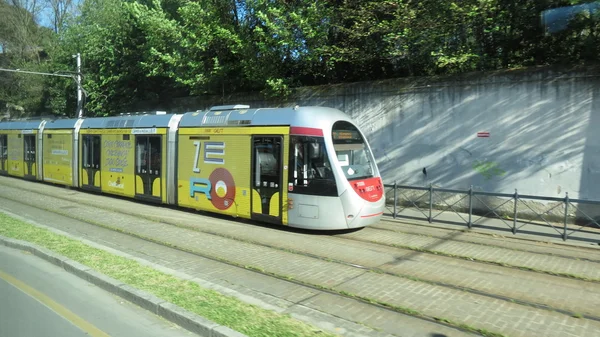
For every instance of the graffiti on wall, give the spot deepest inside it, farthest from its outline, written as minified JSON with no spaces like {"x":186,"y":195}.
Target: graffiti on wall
{"x":488,"y":169}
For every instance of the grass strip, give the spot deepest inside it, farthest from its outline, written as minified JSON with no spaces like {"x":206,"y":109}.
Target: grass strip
{"x":225,"y":310}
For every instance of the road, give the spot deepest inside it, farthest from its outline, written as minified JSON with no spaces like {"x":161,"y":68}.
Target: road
{"x":38,"y":299}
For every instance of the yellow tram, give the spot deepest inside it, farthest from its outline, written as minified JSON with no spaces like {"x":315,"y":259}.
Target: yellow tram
{"x":306,"y":167}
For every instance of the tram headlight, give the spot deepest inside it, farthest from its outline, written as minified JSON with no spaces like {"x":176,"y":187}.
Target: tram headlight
{"x":290,"y":203}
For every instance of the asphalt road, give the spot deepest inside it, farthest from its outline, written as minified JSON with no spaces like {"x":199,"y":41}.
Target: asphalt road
{"x":38,"y":299}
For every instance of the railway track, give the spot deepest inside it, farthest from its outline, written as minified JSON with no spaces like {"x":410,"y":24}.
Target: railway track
{"x":457,"y":279}
{"x":118,"y":238}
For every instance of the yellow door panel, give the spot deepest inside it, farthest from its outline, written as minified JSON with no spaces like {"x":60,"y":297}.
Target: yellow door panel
{"x":274,"y":206}
{"x":84,"y":176}
{"x":256,"y":202}
{"x":270,"y":173}
{"x":97,"y":179}
{"x":139,"y":185}
{"x":89,"y":162}
{"x":29,"y":155}
{"x":156,"y":187}
{"x":149,"y":165}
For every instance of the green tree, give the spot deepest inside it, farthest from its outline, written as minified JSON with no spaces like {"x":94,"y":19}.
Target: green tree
{"x":139,"y":51}
{"x":113,"y":50}
{"x":23,"y":46}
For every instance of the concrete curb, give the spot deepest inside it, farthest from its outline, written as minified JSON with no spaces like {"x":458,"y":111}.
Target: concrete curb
{"x":181,"y":275}
{"x":171,"y":312}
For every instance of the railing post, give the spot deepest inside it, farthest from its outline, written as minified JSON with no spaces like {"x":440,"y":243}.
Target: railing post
{"x":395,"y":198}
{"x":566,"y":215}
{"x":430,"y":202}
{"x":514,"y":229}
{"x":470,"y":223}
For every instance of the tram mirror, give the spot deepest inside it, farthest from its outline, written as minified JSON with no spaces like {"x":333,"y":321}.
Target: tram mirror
{"x":314,"y":150}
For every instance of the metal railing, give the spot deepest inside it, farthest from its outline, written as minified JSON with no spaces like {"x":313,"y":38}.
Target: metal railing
{"x":561,"y":213}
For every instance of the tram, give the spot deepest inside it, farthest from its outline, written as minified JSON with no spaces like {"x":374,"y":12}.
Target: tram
{"x":304,"y":167}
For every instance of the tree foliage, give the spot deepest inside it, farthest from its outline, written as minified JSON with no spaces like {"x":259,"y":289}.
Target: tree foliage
{"x":137,"y":51}
{"x":23,"y":44}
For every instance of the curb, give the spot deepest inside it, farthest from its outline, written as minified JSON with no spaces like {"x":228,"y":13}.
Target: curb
{"x":171,"y":312}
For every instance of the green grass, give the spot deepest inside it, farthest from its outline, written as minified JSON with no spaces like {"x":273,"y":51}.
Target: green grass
{"x":228,"y":311}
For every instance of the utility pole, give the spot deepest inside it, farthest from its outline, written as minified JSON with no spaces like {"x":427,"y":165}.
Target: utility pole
{"x":75,"y":76}
{"x":79,"y":89}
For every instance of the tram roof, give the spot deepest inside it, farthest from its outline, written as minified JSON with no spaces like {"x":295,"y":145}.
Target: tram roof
{"x":231,"y":115}
{"x":20,"y":125}
{"x":128,"y":121}
{"x":61,"y":124}
{"x":310,"y":116}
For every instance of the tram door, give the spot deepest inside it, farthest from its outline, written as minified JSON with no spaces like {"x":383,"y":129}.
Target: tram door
{"x":148,"y":167}
{"x":4,"y":154}
{"x":91,"y":162}
{"x":29,"y":156}
{"x":267,"y":174}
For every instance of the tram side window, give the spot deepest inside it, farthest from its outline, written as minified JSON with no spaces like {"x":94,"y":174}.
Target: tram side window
{"x":310,"y":168}
{"x":86,"y":152}
{"x":91,"y":151}
{"x":155,"y":157}
{"x":141,"y":155}
{"x":96,"y":152}
{"x":267,"y":161}
{"x":30,"y":148}
{"x":148,"y":160}
{"x":3,"y":147}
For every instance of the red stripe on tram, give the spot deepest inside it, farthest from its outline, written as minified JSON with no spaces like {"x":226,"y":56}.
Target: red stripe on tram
{"x":302,"y":131}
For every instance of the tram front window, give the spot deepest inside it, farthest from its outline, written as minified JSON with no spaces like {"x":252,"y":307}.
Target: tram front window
{"x":310,"y":168}
{"x":352,"y":152}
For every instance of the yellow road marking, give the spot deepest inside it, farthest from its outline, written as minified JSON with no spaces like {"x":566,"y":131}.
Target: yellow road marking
{"x":59,"y":309}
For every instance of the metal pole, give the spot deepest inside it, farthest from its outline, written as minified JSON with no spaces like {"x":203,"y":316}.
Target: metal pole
{"x":430,"y":201}
{"x":566,"y":215}
{"x":514,"y":229}
{"x":79,"y":92}
{"x":470,"y":223}
{"x":395,"y":198}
